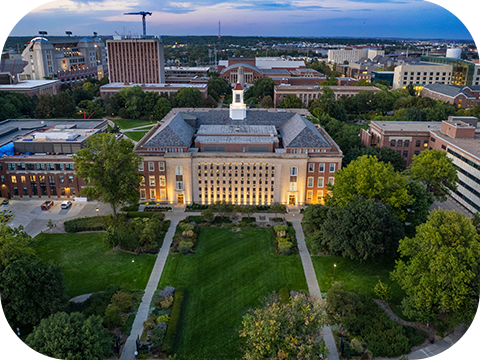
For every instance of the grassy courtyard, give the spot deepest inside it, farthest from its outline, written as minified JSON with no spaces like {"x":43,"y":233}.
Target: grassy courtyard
{"x":131,"y":123}
{"x":89,"y":265}
{"x":229,"y":273}
{"x":358,"y":277}
{"x":135,"y":135}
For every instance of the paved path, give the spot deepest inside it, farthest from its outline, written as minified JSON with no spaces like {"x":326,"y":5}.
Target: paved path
{"x":142,"y":313}
{"x":312,"y":282}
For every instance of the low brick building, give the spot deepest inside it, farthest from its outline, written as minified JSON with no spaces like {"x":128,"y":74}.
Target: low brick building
{"x":465,"y":97}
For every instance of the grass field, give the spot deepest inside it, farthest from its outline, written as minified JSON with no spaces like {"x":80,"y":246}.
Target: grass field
{"x":135,"y":135}
{"x":89,"y":265}
{"x":229,"y":273}
{"x":131,"y":123}
{"x":358,"y":277}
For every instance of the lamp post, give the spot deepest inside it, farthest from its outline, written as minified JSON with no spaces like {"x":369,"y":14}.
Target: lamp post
{"x":134,"y":270}
{"x":334,"y":267}
{"x":97,"y":210}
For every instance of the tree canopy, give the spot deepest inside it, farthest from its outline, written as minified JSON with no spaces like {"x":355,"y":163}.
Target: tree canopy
{"x":109,"y":167}
{"x":71,"y":337}
{"x":291,"y":101}
{"x":384,"y":154}
{"x":440,"y":269}
{"x":371,"y":179}
{"x":189,"y":97}
{"x":435,"y":170}
{"x":15,"y":244}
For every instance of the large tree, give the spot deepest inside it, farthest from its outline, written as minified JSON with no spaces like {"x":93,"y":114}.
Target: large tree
{"x":285,"y":331}
{"x":189,"y":98}
{"x":44,"y":109}
{"x":109,"y":167}
{"x":291,"y":101}
{"x":362,"y":230}
{"x":435,"y":170}
{"x":64,"y":106}
{"x":384,"y":154}
{"x":372,"y":179}
{"x":15,"y":244}
{"x":419,"y":209}
{"x":326,"y":104}
{"x":440,"y":270}
{"x":162,"y":108}
{"x":71,"y":337}
{"x":31,"y":290}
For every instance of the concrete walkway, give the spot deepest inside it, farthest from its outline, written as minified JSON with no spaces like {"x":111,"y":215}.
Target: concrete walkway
{"x":311,"y":277}
{"x":142,"y":313}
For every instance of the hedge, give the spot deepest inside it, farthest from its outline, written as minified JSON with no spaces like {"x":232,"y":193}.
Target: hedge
{"x":142,"y":214}
{"x":94,"y":223}
{"x":173,"y":324}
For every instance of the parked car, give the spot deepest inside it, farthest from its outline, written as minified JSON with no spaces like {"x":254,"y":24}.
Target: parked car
{"x":5,"y":202}
{"x":46,"y":205}
{"x":66,"y":204}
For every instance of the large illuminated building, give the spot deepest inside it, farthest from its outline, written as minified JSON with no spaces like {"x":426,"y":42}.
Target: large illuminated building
{"x":238,"y":155}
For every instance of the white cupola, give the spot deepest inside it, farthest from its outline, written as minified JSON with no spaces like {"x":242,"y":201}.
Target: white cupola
{"x":238,"y":110}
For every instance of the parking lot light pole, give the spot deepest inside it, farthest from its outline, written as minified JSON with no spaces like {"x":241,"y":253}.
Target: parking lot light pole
{"x":97,"y":210}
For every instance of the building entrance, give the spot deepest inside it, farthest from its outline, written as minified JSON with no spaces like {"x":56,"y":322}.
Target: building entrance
{"x":180,"y":199}
{"x":291,"y":200}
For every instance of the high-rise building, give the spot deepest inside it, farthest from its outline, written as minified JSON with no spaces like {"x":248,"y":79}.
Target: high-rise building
{"x":136,"y":60}
{"x":67,"y":59}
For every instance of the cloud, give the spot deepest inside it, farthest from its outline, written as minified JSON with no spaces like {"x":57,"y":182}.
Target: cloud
{"x":84,"y":6}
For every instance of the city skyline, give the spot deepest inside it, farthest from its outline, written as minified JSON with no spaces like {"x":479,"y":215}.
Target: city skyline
{"x":348,"y":18}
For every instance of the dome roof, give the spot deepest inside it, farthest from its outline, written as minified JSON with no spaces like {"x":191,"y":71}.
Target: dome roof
{"x":85,"y":39}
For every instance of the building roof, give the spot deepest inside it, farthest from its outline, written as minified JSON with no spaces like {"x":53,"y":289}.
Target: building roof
{"x":121,"y":85}
{"x":238,"y":86}
{"x":13,"y":66}
{"x":29,"y":85}
{"x":174,"y":132}
{"x":448,"y":90}
{"x":265,"y":130}
{"x":299,"y":132}
{"x":236,"y":139}
{"x":407,"y":125}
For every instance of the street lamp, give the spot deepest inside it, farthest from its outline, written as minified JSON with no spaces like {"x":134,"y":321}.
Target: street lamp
{"x":334,"y":267}
{"x":97,"y":210}
{"x":134,"y":271}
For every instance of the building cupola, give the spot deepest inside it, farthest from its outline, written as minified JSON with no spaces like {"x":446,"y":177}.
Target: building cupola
{"x":238,"y":110}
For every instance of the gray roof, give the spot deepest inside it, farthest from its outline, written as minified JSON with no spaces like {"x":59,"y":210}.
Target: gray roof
{"x":175,"y":132}
{"x":448,"y":90}
{"x":275,"y":71}
{"x":299,"y":132}
{"x":13,"y":66}
{"x":237,"y":139}
{"x":237,"y":130}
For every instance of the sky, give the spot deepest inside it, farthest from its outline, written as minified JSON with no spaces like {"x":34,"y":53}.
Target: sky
{"x":324,"y":18}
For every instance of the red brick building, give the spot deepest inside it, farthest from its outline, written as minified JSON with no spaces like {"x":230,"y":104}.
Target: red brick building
{"x":465,"y":97}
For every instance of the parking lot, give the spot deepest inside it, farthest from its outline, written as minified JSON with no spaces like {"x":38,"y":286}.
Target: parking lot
{"x":29,"y":214}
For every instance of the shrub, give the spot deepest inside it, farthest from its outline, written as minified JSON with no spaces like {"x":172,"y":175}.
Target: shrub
{"x":188,"y":233}
{"x":285,"y":251}
{"x":149,"y":324}
{"x":156,"y":337}
{"x":130,"y":208}
{"x":356,"y":345}
{"x":141,"y":214}
{"x":94,"y":223}
{"x":166,"y":302}
{"x":123,"y":300}
{"x":279,"y":228}
{"x":184,"y":247}
{"x":382,"y":291}
{"x":284,"y":296}
{"x":163,"y":319}
{"x":112,"y":317}
{"x":167,"y":291}
{"x":171,"y":334}
{"x":186,"y":227}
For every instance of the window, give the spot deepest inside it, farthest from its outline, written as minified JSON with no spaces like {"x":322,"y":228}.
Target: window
{"x":142,"y":181}
{"x":152,"y":180}
{"x":309,"y":195}
{"x":14,"y":179}
{"x":332,"y":167}
{"x":21,"y":166}
{"x":311,"y":167}
{"x":444,"y":147}
{"x":162,"y":180}
{"x":293,"y":171}
{"x":152,"y":194}
{"x":140,"y":167}
{"x":310,"y":182}
{"x":425,"y":143}
{"x":11,"y":167}
{"x":293,"y":186}
{"x":151,"y":166}
{"x":50,"y":167}
{"x":406,"y":143}
{"x":405,"y":153}
{"x":320,"y":195}
{"x":161,"y":166}
{"x":68,"y":167}
{"x":331,"y":180}
{"x":179,"y":185}
{"x":399,"y":143}
{"x":392,"y":142}
{"x":432,"y":139}
{"x":178,"y":170}
{"x":163,"y":194}
{"x":58,"y":167}
{"x":417,"y":143}
{"x":321,"y":167}
{"x":320,"y":182}
{"x":70,"y":179}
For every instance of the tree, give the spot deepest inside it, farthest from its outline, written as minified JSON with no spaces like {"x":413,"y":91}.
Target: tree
{"x":162,"y":108}
{"x":109,"y":167}
{"x":384,"y":154}
{"x":79,"y":94}
{"x":277,"y":209}
{"x":31,"y":290}
{"x":133,"y":98}
{"x":363,"y":82}
{"x":435,"y":170}
{"x":261,"y":88}
{"x":44,"y":109}
{"x":88,"y":86}
{"x":218,"y":87}
{"x":363,"y":230}
{"x":15,"y":244}
{"x":189,"y":98}
{"x":326,"y":104}
{"x":313,"y":219}
{"x":71,"y":337}
{"x":64,"y":106}
{"x":291,"y":102}
{"x":372,"y":179}
{"x":210,"y":102}
{"x":280,"y":331}
{"x":266,"y":102}
{"x":363,"y":102}
{"x":331,"y":81}
{"x":419,"y":209}
{"x":440,"y":270}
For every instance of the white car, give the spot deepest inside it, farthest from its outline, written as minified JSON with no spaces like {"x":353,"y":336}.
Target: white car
{"x":66,"y":204}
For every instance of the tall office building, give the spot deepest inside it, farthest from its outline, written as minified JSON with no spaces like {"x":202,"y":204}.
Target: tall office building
{"x":136,"y":60}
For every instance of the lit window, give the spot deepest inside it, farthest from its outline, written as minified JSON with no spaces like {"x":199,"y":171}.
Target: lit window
{"x":310,"y":182}
{"x":152,"y":181}
{"x":151,"y":166}
{"x":320,"y":182}
{"x":163,"y":194}
{"x":143,"y":194}
{"x":162,"y":180}
{"x":309,"y":195}
{"x":319,"y":195}
{"x":331,"y":180}
{"x":142,"y":181}
{"x":293,"y":186}
{"x":14,"y":179}
{"x":161,"y":166}
{"x":152,"y":194}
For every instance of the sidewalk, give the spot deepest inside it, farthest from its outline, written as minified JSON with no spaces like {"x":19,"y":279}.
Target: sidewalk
{"x":311,"y":277}
{"x":142,"y":313}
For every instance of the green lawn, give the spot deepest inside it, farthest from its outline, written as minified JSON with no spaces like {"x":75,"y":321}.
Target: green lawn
{"x":89,"y":265}
{"x":229,"y":273}
{"x":135,"y":135}
{"x":358,"y":277}
{"x":131,"y":123}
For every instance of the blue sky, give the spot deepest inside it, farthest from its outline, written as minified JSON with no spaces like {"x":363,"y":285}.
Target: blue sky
{"x":356,"y":18}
